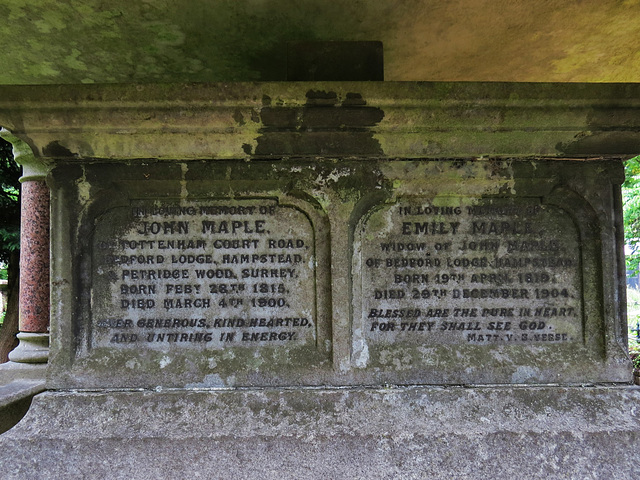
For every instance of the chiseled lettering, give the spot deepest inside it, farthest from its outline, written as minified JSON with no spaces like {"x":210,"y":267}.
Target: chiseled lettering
{"x":124,"y":338}
{"x":429,"y":228}
{"x":191,"y":337}
{"x":165,"y":228}
{"x":233,"y":226}
{"x":267,"y":273}
{"x":173,"y":303}
{"x":150,"y":289}
{"x":416,"y":326}
{"x":153,"y":274}
{"x":448,"y":326}
{"x":285,"y":243}
{"x":480,"y":337}
{"x":267,"y":336}
{"x":501,"y":228}
{"x":181,"y":244}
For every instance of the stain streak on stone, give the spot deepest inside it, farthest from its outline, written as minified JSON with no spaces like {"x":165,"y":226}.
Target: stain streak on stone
{"x":54,"y":149}
{"x":325,"y":126}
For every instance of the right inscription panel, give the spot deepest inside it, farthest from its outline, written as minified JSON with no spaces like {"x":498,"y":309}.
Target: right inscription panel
{"x":467,"y":271}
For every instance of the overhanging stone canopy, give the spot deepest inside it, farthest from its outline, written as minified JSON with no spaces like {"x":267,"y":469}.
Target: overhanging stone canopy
{"x":246,"y":40}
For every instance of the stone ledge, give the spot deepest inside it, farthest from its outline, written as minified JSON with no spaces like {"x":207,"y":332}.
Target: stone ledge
{"x":18,"y":372}
{"x":309,"y":119}
{"x":418,"y":432}
{"x":15,"y":399}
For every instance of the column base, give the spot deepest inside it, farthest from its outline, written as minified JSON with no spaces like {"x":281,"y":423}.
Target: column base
{"x":33,"y":348}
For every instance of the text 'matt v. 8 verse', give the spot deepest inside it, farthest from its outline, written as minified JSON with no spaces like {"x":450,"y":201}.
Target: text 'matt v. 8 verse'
{"x":463,"y":270}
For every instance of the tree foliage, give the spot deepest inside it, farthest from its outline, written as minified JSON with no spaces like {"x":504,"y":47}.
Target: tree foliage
{"x":631,"y":207}
{"x":9,"y":244}
{"x":9,"y":203}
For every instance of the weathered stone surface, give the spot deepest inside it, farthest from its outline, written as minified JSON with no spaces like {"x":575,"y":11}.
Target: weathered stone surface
{"x":245,"y":40}
{"x":165,"y":266}
{"x":448,"y":270}
{"x":511,"y":192}
{"x":544,"y":432}
{"x":16,"y":395}
{"x":335,"y":61}
{"x":225,"y":274}
{"x":337,"y":119}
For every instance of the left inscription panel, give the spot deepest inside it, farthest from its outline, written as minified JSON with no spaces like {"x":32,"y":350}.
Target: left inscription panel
{"x":210,"y":274}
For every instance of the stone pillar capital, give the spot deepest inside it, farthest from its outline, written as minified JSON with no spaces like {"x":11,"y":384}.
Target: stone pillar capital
{"x":33,"y":168}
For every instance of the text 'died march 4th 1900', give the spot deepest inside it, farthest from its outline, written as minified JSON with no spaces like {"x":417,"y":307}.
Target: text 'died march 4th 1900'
{"x":204,"y":275}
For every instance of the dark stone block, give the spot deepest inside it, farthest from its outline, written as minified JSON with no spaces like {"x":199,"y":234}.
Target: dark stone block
{"x":335,"y":61}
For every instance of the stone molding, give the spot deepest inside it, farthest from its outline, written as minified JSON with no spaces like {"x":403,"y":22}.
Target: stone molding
{"x":298,"y":119}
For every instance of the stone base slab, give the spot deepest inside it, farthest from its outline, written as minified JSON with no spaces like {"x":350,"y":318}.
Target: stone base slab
{"x":13,"y":371}
{"x":15,"y":399}
{"x":356,"y":433}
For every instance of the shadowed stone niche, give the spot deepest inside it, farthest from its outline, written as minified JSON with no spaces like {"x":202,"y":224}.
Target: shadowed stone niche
{"x":412,"y":280}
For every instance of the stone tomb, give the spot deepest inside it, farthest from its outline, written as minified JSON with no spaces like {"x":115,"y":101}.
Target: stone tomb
{"x":192,"y":282}
{"x":235,"y":296}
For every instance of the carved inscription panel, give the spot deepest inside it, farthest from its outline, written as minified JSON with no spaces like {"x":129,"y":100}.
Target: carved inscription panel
{"x":457,"y":270}
{"x":203,"y":274}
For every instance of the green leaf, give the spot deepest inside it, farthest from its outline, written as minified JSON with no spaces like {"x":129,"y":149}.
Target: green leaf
{"x":631,"y":213}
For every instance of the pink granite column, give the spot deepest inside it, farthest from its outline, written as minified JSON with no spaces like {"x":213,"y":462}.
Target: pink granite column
{"x":34,"y":273}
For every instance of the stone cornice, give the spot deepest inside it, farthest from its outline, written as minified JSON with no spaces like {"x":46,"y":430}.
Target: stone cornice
{"x":300,"y":119}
